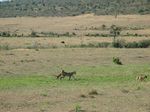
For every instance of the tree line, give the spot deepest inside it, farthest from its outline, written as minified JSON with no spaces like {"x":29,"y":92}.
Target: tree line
{"x":15,"y":8}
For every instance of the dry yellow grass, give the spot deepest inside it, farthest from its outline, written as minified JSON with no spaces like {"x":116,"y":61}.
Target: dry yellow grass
{"x":69,"y":24}
{"x":80,"y":25}
{"x":56,"y":42}
{"x":40,"y":65}
{"x":50,"y":61}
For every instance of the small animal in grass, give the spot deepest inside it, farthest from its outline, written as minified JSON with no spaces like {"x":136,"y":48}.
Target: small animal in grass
{"x":64,"y":74}
{"x":63,"y":42}
{"x":60,"y":75}
{"x":141,"y":78}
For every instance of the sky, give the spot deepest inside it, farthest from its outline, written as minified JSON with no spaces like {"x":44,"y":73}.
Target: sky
{"x":3,"y":0}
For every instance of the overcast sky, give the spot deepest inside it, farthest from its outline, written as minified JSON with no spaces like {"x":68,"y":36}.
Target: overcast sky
{"x":4,"y":0}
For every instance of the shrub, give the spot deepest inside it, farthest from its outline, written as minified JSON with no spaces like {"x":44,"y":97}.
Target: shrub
{"x":5,"y":34}
{"x":53,"y":34}
{"x":117,"y":61}
{"x":140,"y":44}
{"x":123,"y":44}
{"x":131,"y":45}
{"x":144,"y":44}
{"x":34,"y":34}
{"x":119,"y":44}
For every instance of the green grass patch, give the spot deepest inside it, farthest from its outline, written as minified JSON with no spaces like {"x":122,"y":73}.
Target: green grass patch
{"x":41,"y":81}
{"x":86,"y":76}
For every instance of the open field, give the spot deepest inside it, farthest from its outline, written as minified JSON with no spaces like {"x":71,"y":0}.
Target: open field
{"x":28,"y":83}
{"x":29,"y":65}
{"x":41,"y":42}
{"x":81,"y":25}
{"x":51,"y":31}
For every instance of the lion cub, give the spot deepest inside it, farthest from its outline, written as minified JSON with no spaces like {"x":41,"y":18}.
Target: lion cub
{"x":141,"y":78}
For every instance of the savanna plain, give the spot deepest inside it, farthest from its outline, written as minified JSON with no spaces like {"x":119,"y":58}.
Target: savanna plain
{"x":41,"y":47}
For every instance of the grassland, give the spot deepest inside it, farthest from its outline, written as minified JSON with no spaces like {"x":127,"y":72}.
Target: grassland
{"x":87,"y":29}
{"x":27,"y":76}
{"x":79,"y":24}
{"x":28,"y":81}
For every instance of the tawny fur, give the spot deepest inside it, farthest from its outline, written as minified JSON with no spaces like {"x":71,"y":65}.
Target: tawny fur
{"x":141,"y":78}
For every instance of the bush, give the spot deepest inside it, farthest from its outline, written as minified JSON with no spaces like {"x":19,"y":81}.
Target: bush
{"x":140,"y":44}
{"x":144,"y":44}
{"x":33,"y":34}
{"x":53,"y":34}
{"x":131,"y":45}
{"x":5,"y":34}
{"x":117,"y":61}
{"x":123,"y":44}
{"x":119,"y":44}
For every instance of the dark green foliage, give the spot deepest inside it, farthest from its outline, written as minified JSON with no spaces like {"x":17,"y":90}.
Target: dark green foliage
{"x":33,"y":34}
{"x":117,"y":61}
{"x":123,"y":44}
{"x":144,"y":44}
{"x":119,"y":44}
{"x":5,"y":34}
{"x":72,"y":7}
{"x":53,"y":34}
{"x":97,"y":35}
{"x":50,"y":34}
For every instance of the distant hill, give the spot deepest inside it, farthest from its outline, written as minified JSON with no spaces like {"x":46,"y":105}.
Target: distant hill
{"x":72,"y":7}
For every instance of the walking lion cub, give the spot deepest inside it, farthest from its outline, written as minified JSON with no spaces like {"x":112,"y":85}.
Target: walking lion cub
{"x":64,"y":74}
